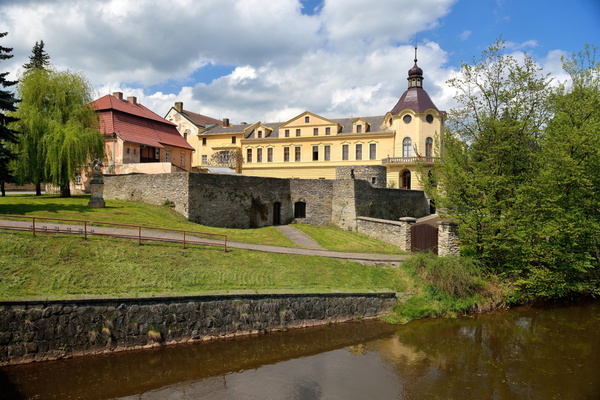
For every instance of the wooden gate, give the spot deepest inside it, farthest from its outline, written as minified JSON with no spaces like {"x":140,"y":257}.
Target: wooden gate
{"x":424,"y":237}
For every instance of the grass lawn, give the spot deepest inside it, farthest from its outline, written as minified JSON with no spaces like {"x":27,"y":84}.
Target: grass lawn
{"x":340,"y":240}
{"x":136,"y":213}
{"x":63,"y":267}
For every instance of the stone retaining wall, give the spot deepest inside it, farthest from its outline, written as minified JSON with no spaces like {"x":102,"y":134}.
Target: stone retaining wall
{"x":47,"y":330}
{"x":394,"y":232}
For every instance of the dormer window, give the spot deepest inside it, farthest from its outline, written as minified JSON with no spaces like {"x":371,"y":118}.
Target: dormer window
{"x":259,"y":134}
{"x":358,"y":128}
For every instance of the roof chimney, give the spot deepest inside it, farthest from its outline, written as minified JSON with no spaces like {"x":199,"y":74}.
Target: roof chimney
{"x":118,"y":95}
{"x":225,"y":122}
{"x":179,"y":106}
{"x":132,"y":99}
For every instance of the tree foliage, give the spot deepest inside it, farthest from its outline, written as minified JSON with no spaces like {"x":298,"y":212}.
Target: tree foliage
{"x":7,"y":104}
{"x":39,"y":59}
{"x":521,"y":171}
{"x":59,"y":128}
{"x":228,"y":159}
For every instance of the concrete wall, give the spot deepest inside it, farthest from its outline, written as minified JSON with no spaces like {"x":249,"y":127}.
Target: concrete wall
{"x":47,"y":330}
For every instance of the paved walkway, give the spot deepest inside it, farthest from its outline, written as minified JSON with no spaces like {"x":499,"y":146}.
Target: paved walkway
{"x":298,"y":237}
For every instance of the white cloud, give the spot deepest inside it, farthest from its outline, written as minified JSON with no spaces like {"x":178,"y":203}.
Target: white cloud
{"x":349,"y":58}
{"x":465,"y":35}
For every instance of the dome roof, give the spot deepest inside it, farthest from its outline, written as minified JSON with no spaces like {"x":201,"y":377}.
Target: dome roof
{"x":415,"y":71}
{"x":416,"y":99}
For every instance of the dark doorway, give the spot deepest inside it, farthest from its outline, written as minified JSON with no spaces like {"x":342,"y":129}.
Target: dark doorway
{"x":277,"y":213}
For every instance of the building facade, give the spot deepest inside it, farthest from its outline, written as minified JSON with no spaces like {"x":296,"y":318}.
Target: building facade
{"x":406,"y":140}
{"x":139,"y":141}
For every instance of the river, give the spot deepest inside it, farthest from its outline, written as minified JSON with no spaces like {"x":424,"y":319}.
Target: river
{"x":550,"y":352}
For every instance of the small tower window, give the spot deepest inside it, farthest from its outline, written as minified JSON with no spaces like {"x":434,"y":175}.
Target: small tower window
{"x":429,"y":118}
{"x":428,"y":147}
{"x":406,"y":147}
{"x":407,"y":118}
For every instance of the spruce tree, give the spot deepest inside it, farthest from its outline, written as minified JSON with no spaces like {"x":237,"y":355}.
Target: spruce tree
{"x":7,"y":104}
{"x":39,"y":59}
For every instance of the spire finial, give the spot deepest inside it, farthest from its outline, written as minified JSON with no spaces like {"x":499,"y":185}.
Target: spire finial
{"x":415,"y":54}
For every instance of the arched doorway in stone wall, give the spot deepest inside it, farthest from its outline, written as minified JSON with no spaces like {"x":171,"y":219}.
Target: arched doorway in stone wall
{"x":405,"y":179}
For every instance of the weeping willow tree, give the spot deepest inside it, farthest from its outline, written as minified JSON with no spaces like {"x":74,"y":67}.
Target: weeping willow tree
{"x":59,"y":129}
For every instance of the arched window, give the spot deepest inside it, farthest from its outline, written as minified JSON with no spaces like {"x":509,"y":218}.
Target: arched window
{"x":407,"y":147}
{"x":428,"y":147}
{"x":405,"y":179}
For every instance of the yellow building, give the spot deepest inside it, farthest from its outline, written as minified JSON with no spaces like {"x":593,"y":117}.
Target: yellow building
{"x":406,"y":140}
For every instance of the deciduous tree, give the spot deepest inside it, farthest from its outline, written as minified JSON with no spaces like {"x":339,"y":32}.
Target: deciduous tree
{"x":58,"y":121}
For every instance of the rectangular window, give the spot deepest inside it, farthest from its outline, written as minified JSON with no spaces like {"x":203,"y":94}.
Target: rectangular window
{"x":327,"y":153}
{"x":297,"y":132}
{"x":168,"y":156}
{"x":204,"y":159}
{"x":372,"y":151}
{"x":358,"y":128}
{"x":233,"y":139}
{"x":316,"y":132}
{"x":286,"y":154}
{"x":270,"y":154}
{"x":328,"y":131}
{"x":157,"y":154}
{"x":345,"y":148}
{"x":287,"y":133}
{"x":307,"y":119}
{"x":259,"y":155}
{"x":315,"y":153}
{"x":297,"y":154}
{"x":203,"y":141}
{"x":259,"y":134}
{"x":78,"y":179}
{"x":182,"y":159}
{"x":359,"y":151}
{"x":249,"y":155}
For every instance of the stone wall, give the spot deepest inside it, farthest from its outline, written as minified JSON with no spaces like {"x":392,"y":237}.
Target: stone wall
{"x":376,"y":175}
{"x":46,"y":330}
{"x":153,"y":189}
{"x":238,"y":201}
{"x":318,"y":196}
{"x":394,"y":232}
{"x":448,"y":239}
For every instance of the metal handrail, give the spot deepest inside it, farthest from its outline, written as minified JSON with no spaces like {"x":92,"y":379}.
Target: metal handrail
{"x":184,"y":233}
{"x":408,"y":160}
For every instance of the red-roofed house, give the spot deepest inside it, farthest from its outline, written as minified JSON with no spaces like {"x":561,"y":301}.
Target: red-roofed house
{"x":138,"y":140}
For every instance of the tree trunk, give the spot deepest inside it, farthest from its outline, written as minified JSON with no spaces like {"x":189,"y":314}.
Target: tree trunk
{"x":65,"y":190}
{"x":2,"y":188}
{"x":38,"y":189}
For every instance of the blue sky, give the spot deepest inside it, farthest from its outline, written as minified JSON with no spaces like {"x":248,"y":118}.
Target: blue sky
{"x":269,"y":60}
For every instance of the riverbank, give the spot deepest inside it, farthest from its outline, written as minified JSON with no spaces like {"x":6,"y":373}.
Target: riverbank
{"x":50,"y":330}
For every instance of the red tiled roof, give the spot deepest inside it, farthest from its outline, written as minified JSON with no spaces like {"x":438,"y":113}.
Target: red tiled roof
{"x":136,"y":124}
{"x":201,"y":120}
{"x":415,"y":98}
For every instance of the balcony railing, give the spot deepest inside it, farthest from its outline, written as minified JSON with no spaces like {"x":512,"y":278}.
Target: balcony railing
{"x":409,"y":160}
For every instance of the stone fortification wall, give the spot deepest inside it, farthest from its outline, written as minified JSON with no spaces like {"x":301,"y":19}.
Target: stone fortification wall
{"x":317,"y":194}
{"x":390,"y":204}
{"x":152,"y":189}
{"x":238,"y":201}
{"x":37,"y":331}
{"x":394,"y":232}
{"x":376,"y":175}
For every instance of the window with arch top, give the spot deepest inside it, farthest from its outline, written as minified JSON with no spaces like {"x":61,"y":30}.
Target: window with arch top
{"x":405,"y":179}
{"x":407,"y":147}
{"x":428,"y":147}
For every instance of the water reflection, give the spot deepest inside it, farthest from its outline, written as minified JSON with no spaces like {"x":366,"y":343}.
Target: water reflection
{"x":526,"y":353}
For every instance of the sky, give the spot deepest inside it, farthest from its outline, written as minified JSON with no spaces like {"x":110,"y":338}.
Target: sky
{"x":270,"y":60}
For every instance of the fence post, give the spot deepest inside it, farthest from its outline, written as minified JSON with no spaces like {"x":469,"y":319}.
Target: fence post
{"x":33,"y":226}
{"x":85,"y":230}
{"x":139,"y":235}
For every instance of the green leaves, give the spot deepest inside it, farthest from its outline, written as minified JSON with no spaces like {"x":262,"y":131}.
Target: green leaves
{"x":521,"y":171}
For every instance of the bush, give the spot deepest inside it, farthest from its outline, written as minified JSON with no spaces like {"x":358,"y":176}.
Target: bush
{"x":453,"y":276}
